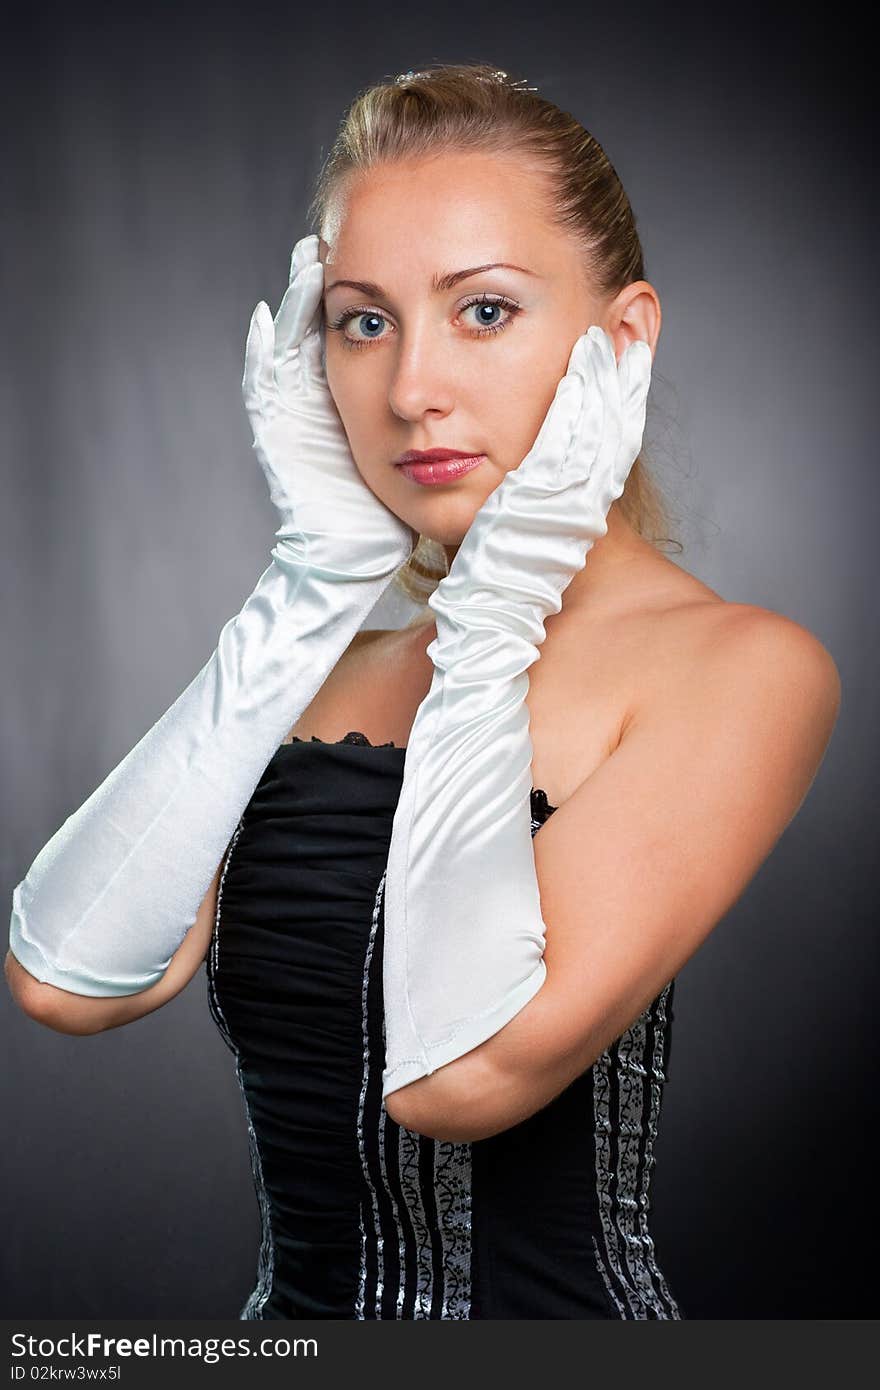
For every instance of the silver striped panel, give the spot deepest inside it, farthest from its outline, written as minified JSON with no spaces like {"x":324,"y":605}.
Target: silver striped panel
{"x":658,"y":1077}
{"x":451,"y":1193}
{"x":360,"y":1302}
{"x":253,"y":1308}
{"x":411,"y":1186}
{"x":626,"y":1259}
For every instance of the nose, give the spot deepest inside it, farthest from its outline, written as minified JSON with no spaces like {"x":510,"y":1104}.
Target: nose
{"x":424,"y":378}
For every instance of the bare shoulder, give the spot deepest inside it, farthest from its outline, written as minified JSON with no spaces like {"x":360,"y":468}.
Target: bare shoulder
{"x":783,"y":664}
{"x":686,"y":634}
{"x":668,"y":653}
{"x":754,"y":646}
{"x":744,"y":675}
{"x":758,"y":634}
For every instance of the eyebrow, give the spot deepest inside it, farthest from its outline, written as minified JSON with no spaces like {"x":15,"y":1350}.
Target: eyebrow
{"x":438,"y":284}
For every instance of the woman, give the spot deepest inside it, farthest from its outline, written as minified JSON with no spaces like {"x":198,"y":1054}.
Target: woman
{"x":444,"y":896}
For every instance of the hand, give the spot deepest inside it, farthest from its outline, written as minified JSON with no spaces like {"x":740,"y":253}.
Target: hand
{"x":300,"y":440}
{"x":533,"y":533}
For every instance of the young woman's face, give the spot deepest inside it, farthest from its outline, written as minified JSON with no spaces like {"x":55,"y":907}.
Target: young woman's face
{"x":411,"y":366}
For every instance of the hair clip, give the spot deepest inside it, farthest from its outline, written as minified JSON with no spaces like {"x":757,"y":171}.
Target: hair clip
{"x":520,"y":85}
{"x":498,"y":76}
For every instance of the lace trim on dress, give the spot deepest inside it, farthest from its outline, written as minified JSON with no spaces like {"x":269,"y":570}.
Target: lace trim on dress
{"x":539,"y":796}
{"x":353,"y":737}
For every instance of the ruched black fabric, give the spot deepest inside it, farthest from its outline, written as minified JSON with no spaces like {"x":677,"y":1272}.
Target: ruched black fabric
{"x":362,"y":1218}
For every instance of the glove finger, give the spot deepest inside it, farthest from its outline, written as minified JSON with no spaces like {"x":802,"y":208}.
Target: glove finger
{"x":297,"y":312}
{"x":304,"y":253}
{"x":258,"y":379}
{"x":312,"y":354}
{"x":295,"y":322}
{"x":607,"y":439}
{"x":593,"y":363}
{"x":554,"y":437}
{"x":635,"y":383}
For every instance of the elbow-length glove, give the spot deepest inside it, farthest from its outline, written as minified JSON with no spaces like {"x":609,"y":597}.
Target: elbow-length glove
{"x":109,"y":899}
{"x":463,"y":937}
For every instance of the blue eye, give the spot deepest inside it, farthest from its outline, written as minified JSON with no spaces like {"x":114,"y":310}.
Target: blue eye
{"x":371,"y":324}
{"x":486,"y":309}
{"x":370,"y":320}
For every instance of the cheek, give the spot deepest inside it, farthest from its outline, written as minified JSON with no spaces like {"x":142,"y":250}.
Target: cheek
{"x":356,"y":405}
{"x":516,"y":414}
{"x":545,"y":377}
{"x":344,"y":369}
{"x":343,"y":387}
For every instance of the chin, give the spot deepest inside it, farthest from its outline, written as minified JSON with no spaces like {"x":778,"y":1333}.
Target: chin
{"x":446,"y":522}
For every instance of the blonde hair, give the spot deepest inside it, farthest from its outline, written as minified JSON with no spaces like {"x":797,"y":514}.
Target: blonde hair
{"x":474,"y":106}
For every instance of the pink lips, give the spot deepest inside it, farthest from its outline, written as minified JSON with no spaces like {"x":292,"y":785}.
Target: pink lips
{"x":432,"y":466}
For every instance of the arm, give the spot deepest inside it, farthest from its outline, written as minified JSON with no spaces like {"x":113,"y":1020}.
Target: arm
{"x":108,"y":901}
{"x":638,"y":866}
{"x":80,"y":1015}
{"x":464,"y":937}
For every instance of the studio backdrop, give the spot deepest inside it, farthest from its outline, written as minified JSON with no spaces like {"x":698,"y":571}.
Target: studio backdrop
{"x":158,"y":169}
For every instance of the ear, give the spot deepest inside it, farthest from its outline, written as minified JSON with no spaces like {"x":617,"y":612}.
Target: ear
{"x":634,"y":315}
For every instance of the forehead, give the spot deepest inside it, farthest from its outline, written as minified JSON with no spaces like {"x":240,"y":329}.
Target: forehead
{"x":441,"y":212}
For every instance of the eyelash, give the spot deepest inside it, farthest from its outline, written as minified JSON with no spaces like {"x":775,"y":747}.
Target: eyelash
{"x":356,"y":344}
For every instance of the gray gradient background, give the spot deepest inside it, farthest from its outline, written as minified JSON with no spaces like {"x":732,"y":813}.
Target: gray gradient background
{"x":157,"y":177}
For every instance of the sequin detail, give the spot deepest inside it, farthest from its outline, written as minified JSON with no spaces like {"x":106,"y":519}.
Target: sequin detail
{"x":626,"y":1104}
{"x":256,"y":1302}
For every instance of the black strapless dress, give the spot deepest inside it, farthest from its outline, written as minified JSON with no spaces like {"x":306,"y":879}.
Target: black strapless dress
{"x":362,"y":1218}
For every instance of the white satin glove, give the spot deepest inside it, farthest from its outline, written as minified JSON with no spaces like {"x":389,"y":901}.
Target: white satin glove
{"x":109,"y":899}
{"x":463,"y":937}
